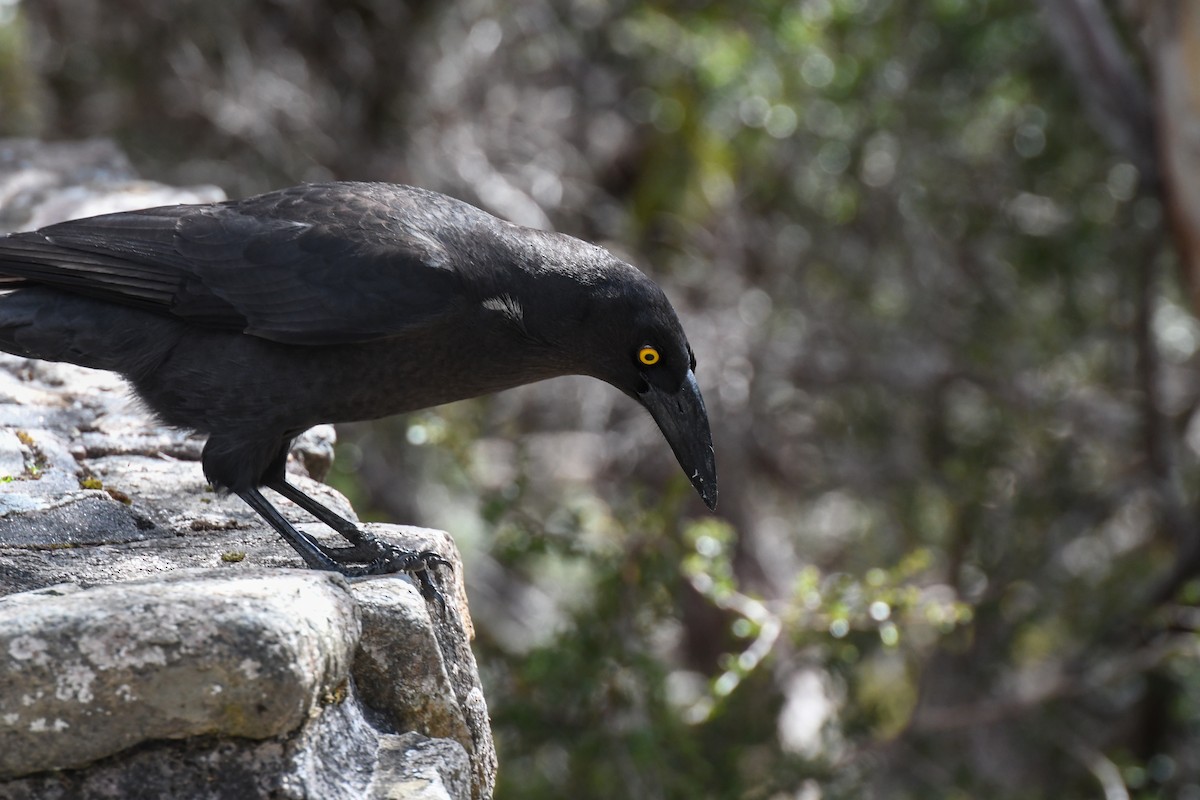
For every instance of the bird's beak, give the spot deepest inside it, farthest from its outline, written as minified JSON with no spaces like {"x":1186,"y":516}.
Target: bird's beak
{"x":682,"y":419}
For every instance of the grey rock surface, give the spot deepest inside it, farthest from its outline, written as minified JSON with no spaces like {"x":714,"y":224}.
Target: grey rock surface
{"x":156,"y":640}
{"x":85,"y":674}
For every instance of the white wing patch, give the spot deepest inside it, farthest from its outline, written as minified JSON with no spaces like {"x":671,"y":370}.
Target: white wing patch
{"x":507,"y":305}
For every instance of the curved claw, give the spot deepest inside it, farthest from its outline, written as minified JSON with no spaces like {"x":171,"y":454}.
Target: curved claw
{"x":382,"y":558}
{"x":418,"y":564}
{"x":369,"y":556}
{"x":393,"y":559}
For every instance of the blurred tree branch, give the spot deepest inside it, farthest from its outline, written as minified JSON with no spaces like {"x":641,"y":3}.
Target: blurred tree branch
{"x":1171,"y":34}
{"x":1114,"y":94}
{"x":1155,"y":130}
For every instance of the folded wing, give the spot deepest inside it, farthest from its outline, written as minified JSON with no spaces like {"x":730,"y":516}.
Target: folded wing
{"x":324,"y":264}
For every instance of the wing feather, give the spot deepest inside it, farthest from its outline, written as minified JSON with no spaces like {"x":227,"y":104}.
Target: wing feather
{"x":320,"y":264}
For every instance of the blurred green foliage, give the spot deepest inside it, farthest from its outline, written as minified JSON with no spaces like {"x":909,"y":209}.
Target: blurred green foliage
{"x":936,"y":319}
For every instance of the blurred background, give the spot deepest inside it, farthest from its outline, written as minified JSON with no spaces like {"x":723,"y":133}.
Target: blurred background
{"x":933,"y":259}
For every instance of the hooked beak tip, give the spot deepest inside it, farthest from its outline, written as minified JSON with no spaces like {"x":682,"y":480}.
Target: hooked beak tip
{"x":707,"y":489}
{"x":684,"y":422}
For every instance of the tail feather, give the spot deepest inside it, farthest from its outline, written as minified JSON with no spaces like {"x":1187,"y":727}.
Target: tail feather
{"x":37,"y":258}
{"x":57,"y":326}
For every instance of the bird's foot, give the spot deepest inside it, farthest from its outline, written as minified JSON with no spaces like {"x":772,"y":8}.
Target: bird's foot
{"x":366,"y":555}
{"x":373,"y":557}
{"x":418,"y":563}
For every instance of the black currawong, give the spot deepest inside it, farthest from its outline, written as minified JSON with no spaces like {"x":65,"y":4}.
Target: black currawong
{"x":253,"y":320}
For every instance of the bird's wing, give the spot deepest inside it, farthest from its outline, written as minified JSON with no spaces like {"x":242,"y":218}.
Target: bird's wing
{"x":282,"y":271}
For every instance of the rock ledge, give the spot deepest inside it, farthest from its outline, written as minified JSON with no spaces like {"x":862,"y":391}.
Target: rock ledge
{"x":156,"y":640}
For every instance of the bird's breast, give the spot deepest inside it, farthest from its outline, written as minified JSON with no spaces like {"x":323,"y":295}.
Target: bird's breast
{"x":217,"y":380}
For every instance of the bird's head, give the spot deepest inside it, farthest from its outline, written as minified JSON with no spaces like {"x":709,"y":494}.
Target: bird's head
{"x":603,"y":317}
{"x":635,"y":343}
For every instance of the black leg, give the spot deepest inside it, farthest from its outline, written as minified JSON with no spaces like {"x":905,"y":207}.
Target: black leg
{"x":334,"y":520}
{"x":308,"y":549}
{"x":365,"y":547}
{"x":375,"y":556}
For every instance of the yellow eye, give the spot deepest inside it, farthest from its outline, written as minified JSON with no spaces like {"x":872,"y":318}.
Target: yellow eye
{"x":648,"y":355}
